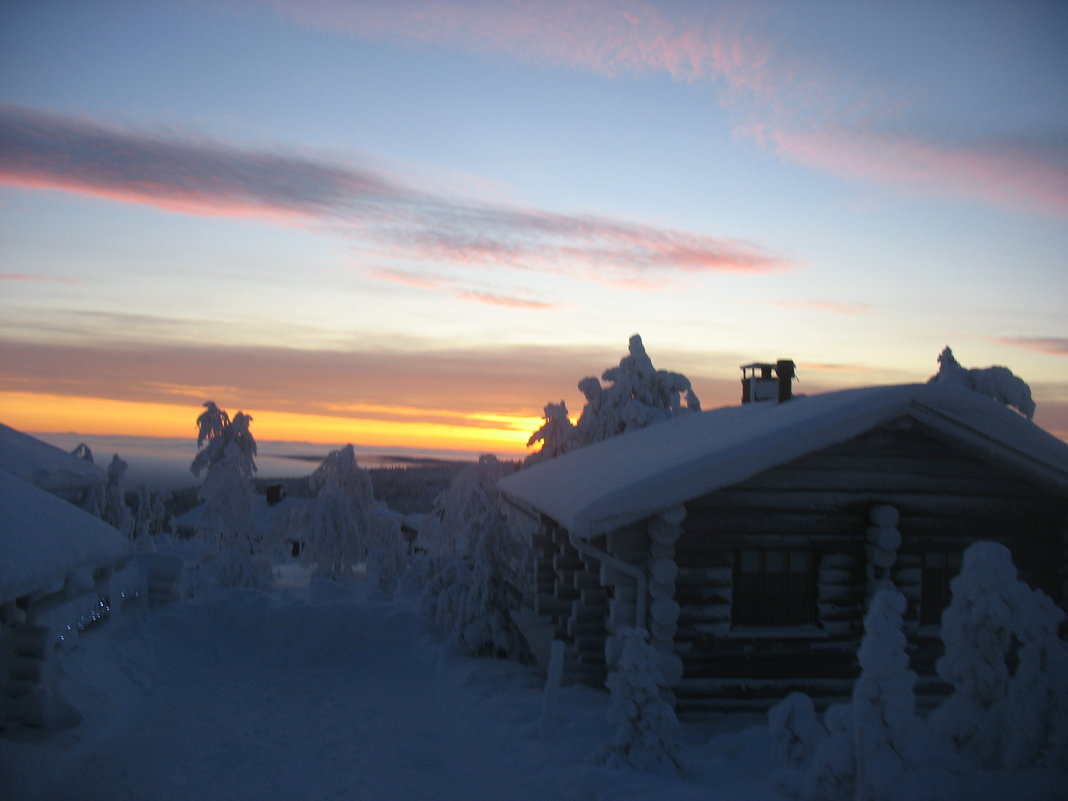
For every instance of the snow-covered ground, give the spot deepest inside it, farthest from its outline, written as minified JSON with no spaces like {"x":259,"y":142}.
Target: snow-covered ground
{"x":323,"y":691}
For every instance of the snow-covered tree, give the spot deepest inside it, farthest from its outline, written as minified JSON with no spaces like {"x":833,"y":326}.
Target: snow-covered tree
{"x":889,"y":737}
{"x":150,"y":517}
{"x":341,"y":523}
{"x":998,"y":382}
{"x":557,"y":434}
{"x":215,"y":432}
{"x":480,"y":575}
{"x":345,"y":525}
{"x":985,"y":628}
{"x":1007,"y":664}
{"x":1036,"y":715}
{"x":635,"y":395}
{"x":227,"y":521}
{"x":92,"y":499}
{"x":116,"y":512}
{"x":645,"y":723}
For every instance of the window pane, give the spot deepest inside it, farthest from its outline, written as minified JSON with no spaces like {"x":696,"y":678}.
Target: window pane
{"x":751,"y":562}
{"x":800,"y":561}
{"x":775,"y":561}
{"x":774,"y":588}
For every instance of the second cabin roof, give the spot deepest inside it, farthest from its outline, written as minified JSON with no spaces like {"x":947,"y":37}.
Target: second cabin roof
{"x":622,"y":479}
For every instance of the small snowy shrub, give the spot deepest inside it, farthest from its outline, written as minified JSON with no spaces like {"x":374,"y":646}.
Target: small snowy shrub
{"x":645,"y":724}
{"x":116,"y":512}
{"x":795,"y":729}
{"x":830,"y":777}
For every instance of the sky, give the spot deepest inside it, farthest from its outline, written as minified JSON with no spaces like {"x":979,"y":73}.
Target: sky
{"x":415,"y":223}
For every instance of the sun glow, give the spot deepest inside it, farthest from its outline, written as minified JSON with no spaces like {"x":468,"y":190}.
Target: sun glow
{"x":486,"y":432}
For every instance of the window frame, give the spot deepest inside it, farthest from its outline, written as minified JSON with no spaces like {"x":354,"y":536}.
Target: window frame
{"x":775,"y":588}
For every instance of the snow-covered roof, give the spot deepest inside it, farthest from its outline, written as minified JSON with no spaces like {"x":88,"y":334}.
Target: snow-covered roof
{"x":619,"y":480}
{"x":44,"y":465}
{"x":43,"y":538}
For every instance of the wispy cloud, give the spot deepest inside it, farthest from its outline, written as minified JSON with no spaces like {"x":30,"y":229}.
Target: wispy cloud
{"x":390,"y":219}
{"x":1055,"y":346}
{"x":804,"y":112}
{"x":33,"y":279}
{"x":827,"y":306}
{"x":1021,"y":172}
{"x":510,"y":301}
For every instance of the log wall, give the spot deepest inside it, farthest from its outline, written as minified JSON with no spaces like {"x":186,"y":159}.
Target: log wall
{"x":823,"y":502}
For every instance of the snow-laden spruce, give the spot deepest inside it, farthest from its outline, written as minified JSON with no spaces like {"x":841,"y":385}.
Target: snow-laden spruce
{"x":1000,"y":383}
{"x":227,"y":523}
{"x":1007,"y":665}
{"x":116,"y":512}
{"x":346,"y":526}
{"x":635,"y":395}
{"x":478,"y":566}
{"x":557,"y":434}
{"x":644,"y":722}
{"x":93,"y":500}
{"x":890,"y":742}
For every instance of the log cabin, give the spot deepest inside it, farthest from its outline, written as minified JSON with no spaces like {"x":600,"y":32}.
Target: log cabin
{"x":747,"y":540}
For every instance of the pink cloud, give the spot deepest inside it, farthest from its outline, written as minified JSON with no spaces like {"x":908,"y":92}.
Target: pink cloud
{"x":1055,"y":346}
{"x":389,"y":219}
{"x":1017,"y":173}
{"x":802,"y":112}
{"x":494,"y":299}
{"x":609,"y":37}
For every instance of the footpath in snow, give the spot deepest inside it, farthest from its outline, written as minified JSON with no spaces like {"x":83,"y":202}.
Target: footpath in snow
{"x":257,"y":696}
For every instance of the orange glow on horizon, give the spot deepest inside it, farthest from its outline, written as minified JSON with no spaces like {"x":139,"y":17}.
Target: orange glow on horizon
{"x":103,"y":417}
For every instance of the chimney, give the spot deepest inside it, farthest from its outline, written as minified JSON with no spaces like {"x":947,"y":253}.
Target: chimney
{"x":784,"y":371}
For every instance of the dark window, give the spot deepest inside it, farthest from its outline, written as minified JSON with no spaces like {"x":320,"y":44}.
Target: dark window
{"x":774,"y":588}
{"x":939,"y":568}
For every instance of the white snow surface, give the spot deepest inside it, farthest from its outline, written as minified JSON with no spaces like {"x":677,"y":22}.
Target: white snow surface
{"x":44,"y":465}
{"x":630,"y":476}
{"x":327,"y":691}
{"x":43,"y":538}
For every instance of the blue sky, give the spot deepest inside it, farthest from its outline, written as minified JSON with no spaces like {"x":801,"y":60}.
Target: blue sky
{"x":388,"y":215}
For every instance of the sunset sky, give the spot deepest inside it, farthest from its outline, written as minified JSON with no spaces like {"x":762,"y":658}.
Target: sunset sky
{"x":414,"y":223}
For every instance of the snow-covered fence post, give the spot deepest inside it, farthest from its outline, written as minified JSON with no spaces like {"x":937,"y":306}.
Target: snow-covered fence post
{"x":664,"y":531}
{"x":882,"y":540}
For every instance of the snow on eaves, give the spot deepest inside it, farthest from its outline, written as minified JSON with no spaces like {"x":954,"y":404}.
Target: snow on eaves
{"x":43,"y":538}
{"x":46,"y":466}
{"x":619,"y":480}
